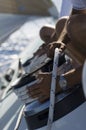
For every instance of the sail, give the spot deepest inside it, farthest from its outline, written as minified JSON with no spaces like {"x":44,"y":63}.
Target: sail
{"x":31,"y":7}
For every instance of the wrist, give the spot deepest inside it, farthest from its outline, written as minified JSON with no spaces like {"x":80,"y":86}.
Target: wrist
{"x":76,"y":11}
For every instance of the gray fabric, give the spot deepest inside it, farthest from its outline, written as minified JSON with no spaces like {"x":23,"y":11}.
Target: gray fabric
{"x":65,"y":8}
{"x":79,"y":4}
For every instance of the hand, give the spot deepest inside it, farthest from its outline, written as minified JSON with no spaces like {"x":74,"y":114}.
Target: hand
{"x":51,"y":48}
{"x":41,"y":90}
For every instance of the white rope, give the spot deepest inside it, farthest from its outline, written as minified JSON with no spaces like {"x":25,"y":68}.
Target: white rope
{"x":53,"y":87}
{"x":19,"y":118}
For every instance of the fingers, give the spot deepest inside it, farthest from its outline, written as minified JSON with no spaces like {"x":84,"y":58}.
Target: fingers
{"x":51,"y":48}
{"x":41,"y":89}
{"x":43,"y":98}
{"x":34,"y":92}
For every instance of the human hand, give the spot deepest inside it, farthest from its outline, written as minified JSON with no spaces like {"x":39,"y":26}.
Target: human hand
{"x":51,"y":48}
{"x":41,"y":90}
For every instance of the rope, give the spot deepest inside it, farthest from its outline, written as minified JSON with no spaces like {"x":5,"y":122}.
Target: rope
{"x":19,"y":119}
{"x":53,"y":88}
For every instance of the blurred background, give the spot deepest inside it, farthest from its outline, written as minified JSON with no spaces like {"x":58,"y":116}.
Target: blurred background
{"x":20,"y":22}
